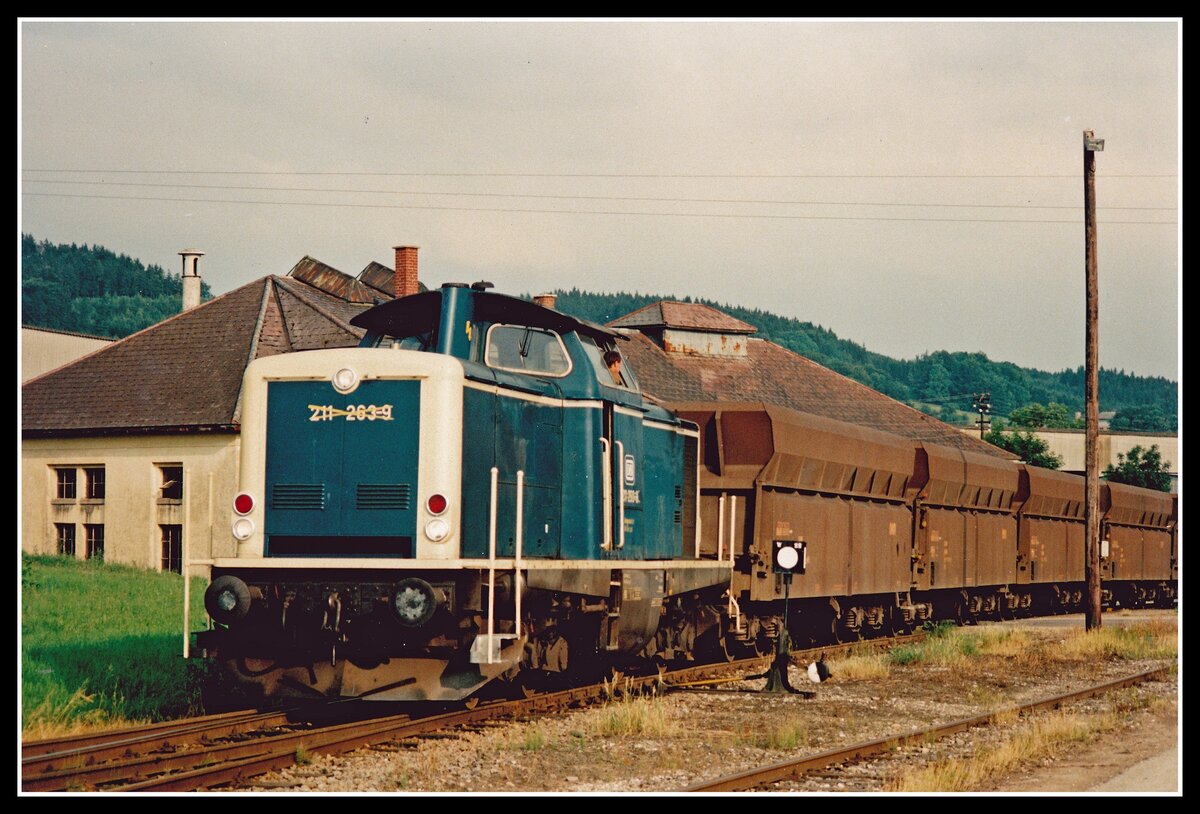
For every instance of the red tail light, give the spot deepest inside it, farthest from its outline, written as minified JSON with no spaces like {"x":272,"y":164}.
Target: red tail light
{"x":243,"y":504}
{"x":436,"y":504}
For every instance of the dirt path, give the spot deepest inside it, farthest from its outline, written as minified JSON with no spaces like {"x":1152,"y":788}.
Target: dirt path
{"x":1142,"y":757}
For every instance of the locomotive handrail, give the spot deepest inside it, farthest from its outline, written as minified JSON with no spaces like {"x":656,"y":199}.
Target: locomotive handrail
{"x":492,"y":562}
{"x":621,"y":513}
{"x":517,"y":550}
{"x":732,"y":525}
{"x":721,"y":527}
{"x":606,"y":493}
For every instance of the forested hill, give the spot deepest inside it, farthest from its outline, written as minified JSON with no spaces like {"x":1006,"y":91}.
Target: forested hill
{"x":92,"y":290}
{"x":939,"y":383}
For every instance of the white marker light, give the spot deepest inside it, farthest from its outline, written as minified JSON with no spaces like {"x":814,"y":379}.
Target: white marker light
{"x":437,"y":530}
{"x":243,"y":527}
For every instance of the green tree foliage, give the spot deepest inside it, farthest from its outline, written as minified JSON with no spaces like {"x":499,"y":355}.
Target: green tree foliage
{"x":1053,"y":415}
{"x":1031,"y":449}
{"x":937,"y":385}
{"x":952,"y":376}
{"x":1141,"y":467}
{"x":1149,"y":418}
{"x":92,"y":290}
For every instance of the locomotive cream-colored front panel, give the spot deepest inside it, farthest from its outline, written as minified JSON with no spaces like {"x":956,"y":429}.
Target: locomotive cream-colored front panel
{"x":441,"y":432}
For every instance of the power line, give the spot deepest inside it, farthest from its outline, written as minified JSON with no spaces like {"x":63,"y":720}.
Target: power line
{"x":578,"y":197}
{"x":579,"y":211}
{"x":595,"y":174}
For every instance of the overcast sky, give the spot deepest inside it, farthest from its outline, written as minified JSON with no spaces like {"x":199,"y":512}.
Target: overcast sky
{"x":578,"y":123}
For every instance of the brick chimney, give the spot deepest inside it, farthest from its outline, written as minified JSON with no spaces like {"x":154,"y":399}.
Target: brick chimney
{"x":545,"y":300}
{"x":406,"y":271}
{"x":191,"y":277}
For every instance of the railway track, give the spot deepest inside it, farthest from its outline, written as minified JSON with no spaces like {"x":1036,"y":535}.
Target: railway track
{"x":216,"y":750}
{"x":763,"y":778}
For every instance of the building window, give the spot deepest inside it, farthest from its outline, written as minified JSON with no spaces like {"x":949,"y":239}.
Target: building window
{"x":172,"y":481}
{"x":66,"y":483}
{"x":94,"y":535}
{"x":94,"y":480}
{"x":172,"y":548}
{"x":66,"y":539}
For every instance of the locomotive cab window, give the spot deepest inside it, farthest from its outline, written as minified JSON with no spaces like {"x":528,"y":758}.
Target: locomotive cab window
{"x":525,"y":349}
{"x":596,"y":353}
{"x":421,"y":342}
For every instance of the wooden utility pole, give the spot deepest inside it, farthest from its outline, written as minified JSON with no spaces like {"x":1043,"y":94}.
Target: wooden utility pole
{"x":1092,"y":387}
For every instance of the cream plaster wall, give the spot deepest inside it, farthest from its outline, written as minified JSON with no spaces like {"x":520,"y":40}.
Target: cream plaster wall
{"x":132,"y":509}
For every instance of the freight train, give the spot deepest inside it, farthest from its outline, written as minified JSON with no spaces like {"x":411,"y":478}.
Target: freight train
{"x":474,"y":497}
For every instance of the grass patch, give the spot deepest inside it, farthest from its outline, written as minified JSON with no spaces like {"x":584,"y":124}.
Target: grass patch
{"x":906,"y":654}
{"x":955,"y":647}
{"x":1041,"y":738}
{"x":644,"y":716}
{"x":1148,"y":640}
{"x":862,"y":667}
{"x":783,"y":736}
{"x":101,"y":646}
{"x":1006,"y":641}
{"x":533,"y":741}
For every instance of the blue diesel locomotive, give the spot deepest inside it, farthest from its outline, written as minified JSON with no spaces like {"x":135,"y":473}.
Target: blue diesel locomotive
{"x":471,"y":493}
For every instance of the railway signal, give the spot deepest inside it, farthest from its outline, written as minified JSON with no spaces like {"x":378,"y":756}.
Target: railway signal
{"x":787,"y":557}
{"x":983,"y":405}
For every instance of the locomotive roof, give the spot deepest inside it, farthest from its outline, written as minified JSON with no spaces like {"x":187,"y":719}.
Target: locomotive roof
{"x":419,"y":313}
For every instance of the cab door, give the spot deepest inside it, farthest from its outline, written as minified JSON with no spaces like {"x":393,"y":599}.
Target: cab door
{"x":623,"y":445}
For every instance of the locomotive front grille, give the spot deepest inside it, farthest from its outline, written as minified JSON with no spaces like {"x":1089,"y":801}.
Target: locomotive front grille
{"x":298,"y":496}
{"x":393,"y":496}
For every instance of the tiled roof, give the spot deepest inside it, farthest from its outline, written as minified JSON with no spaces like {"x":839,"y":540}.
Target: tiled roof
{"x":686,"y":315}
{"x":186,"y":372}
{"x":770,"y":373}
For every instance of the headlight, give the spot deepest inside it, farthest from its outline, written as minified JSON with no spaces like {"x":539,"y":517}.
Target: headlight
{"x":437,"y":529}
{"x":243,"y":527}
